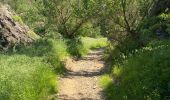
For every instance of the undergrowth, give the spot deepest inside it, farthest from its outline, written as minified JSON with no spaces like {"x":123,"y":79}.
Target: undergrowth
{"x":29,"y":72}
{"x":142,"y":76}
{"x":81,"y":46}
{"x":25,"y":78}
{"x":53,"y":51}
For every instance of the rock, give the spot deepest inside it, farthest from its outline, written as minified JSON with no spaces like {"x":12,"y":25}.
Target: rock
{"x":12,"y":30}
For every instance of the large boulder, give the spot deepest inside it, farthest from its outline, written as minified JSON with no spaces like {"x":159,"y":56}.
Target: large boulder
{"x":12,"y":30}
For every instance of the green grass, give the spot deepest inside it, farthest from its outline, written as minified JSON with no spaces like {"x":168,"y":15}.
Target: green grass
{"x":81,"y":46}
{"x":29,"y":73}
{"x":18,"y":19}
{"x":25,"y":78}
{"x":33,"y":35}
{"x":105,"y":81}
{"x":52,"y":51}
{"x":142,"y":76}
{"x":94,"y":43}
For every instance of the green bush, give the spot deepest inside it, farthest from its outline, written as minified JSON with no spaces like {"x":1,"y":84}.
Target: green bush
{"x":116,"y":53}
{"x":143,"y":76}
{"x":25,"y":78}
{"x":156,"y":27}
{"x":88,"y":30}
{"x":151,"y":29}
{"x":75,"y":47}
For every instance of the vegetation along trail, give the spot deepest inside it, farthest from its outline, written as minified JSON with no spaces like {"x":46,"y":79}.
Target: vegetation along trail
{"x":82,"y":80}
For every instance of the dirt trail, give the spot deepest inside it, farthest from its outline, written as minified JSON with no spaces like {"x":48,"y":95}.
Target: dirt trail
{"x":82,"y":80}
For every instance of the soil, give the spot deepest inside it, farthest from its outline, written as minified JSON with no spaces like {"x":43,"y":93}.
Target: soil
{"x":82,"y":79}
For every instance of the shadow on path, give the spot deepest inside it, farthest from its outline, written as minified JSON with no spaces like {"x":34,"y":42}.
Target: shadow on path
{"x":81,"y":82}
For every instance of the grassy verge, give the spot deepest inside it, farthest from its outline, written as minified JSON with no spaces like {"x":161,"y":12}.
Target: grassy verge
{"x":53,"y":51}
{"x":29,"y":73}
{"x":25,"y":78}
{"x":142,"y":76}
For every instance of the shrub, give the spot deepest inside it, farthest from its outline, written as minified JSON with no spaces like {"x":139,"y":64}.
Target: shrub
{"x":156,"y":27}
{"x":88,"y":30}
{"x":75,"y":47}
{"x":151,"y":29}
{"x":143,"y":76}
{"x":25,"y":78}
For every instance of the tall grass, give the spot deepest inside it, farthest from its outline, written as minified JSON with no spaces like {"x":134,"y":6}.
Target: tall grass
{"x":93,"y":43}
{"x":81,"y":46}
{"x":29,"y":73}
{"x":142,"y":76}
{"x":25,"y":78}
{"x":53,"y":51}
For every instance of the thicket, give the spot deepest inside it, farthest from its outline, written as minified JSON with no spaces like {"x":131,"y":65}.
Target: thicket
{"x":139,"y":64}
{"x":142,"y":76}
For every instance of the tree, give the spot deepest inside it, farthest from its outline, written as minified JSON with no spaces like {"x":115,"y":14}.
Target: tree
{"x":122,"y":17}
{"x":70,"y":15}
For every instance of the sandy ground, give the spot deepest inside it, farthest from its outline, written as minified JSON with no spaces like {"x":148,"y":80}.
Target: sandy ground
{"x":82,"y":80}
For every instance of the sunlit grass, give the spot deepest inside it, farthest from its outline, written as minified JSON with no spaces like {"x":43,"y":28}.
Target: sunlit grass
{"x":81,"y":46}
{"x":105,"y":80}
{"x":25,"y":78}
{"x":93,"y":43}
{"x":30,"y":72}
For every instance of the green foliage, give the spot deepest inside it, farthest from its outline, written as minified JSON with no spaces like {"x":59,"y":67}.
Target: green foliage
{"x":33,"y":35}
{"x":31,"y":12}
{"x":118,"y":52}
{"x":89,"y":31}
{"x":143,"y":76}
{"x":28,"y":72}
{"x":138,"y":74}
{"x":75,"y":47}
{"x":156,"y":27}
{"x":53,"y":52}
{"x":105,"y":81}
{"x":25,"y":78}
{"x":17,"y":19}
{"x":81,"y":46}
{"x":94,"y":43}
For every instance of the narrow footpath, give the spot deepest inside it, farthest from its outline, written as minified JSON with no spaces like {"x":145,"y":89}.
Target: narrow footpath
{"x":82,"y":79}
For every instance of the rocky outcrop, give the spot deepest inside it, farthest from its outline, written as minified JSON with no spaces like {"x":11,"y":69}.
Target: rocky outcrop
{"x":12,"y":30}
